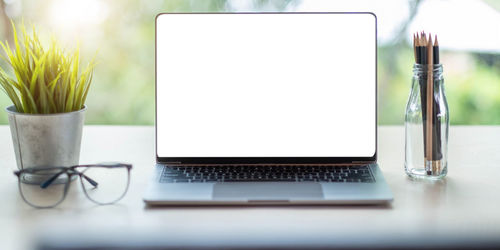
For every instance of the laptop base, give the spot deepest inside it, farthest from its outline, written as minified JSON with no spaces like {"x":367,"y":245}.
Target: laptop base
{"x":268,"y":193}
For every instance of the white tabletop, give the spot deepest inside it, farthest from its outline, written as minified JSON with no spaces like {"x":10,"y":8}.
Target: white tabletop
{"x":465,"y":205}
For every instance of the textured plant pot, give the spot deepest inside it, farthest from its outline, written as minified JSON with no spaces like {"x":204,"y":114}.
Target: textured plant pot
{"x":46,"y":140}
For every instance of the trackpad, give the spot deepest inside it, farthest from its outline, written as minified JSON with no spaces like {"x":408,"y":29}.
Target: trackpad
{"x":268,"y":191}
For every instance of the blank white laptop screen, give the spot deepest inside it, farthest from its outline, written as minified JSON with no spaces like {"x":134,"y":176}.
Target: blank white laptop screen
{"x":266,"y":85}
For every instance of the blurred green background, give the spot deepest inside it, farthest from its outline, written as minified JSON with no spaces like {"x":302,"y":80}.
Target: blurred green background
{"x":122,"y":31}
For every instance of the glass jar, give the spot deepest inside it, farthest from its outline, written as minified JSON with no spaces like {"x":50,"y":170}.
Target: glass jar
{"x":423,"y":160}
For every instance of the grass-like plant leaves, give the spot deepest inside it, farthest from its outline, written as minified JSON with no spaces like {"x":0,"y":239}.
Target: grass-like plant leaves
{"x":45,"y":81}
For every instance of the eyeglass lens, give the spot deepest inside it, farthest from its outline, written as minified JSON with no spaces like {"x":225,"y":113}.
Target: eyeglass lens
{"x":110,"y":184}
{"x":38,"y":196}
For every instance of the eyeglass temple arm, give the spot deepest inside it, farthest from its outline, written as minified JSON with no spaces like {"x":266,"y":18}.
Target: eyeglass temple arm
{"x":94,"y":183}
{"x":47,"y":183}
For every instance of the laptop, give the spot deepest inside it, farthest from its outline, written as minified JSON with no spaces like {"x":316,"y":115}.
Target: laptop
{"x":266,"y":108}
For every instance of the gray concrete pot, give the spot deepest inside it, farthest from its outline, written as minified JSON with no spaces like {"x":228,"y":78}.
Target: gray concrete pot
{"x":46,"y":140}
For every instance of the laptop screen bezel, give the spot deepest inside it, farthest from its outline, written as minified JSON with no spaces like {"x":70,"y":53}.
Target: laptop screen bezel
{"x":267,"y":160}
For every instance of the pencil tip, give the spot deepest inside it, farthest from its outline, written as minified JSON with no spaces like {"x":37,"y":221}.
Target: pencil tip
{"x":436,"y":40}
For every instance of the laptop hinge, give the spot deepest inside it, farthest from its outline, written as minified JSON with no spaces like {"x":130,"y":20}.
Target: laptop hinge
{"x":363,"y":162}
{"x":171,"y":162}
{"x":353,"y":162}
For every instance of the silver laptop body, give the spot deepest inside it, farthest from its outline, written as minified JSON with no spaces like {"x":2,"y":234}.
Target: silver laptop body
{"x":266,"y":108}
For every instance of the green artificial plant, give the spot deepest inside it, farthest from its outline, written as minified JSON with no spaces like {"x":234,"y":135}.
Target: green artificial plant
{"x":46,"y":80}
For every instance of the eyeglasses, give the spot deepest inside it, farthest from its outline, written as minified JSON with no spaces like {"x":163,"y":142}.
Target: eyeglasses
{"x":47,"y":187}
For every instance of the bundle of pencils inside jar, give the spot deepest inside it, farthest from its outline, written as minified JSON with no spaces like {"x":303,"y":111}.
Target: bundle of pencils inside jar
{"x":426,"y":51}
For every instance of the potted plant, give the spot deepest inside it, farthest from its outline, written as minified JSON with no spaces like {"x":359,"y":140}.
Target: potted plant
{"x":48,"y":94}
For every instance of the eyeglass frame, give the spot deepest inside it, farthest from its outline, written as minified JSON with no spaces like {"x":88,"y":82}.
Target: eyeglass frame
{"x":70,"y":172}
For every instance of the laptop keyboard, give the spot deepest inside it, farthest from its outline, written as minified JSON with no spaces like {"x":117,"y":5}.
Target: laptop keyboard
{"x":260,"y":173}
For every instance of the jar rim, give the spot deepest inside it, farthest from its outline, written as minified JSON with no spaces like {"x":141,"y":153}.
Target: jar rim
{"x":423,"y":67}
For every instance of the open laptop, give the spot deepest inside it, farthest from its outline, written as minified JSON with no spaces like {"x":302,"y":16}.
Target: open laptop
{"x":266,"y":108}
